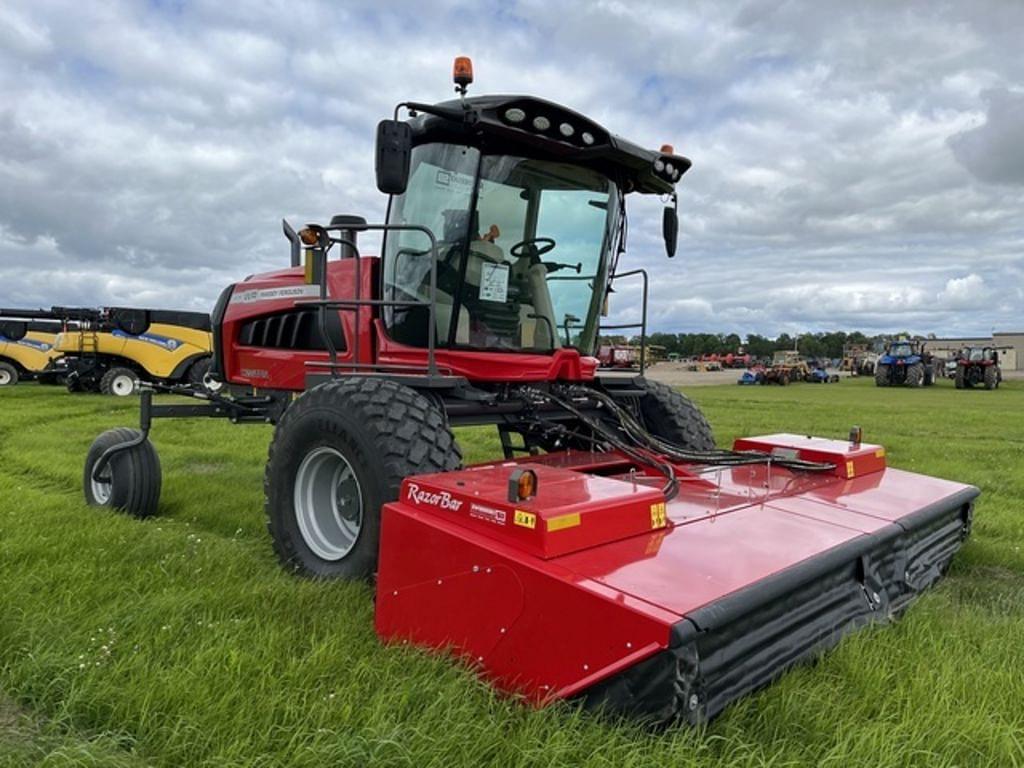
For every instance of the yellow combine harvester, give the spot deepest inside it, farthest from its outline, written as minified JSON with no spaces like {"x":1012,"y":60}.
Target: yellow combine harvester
{"x":111,"y":349}
{"x":26,"y":349}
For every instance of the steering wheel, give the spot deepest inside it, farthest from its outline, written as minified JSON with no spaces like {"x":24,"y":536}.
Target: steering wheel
{"x":534,"y":246}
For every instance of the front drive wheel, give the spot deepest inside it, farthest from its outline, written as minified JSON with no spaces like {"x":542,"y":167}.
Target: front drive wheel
{"x":339,"y":453}
{"x":672,"y":416}
{"x":131,"y":480}
{"x":881,"y":375}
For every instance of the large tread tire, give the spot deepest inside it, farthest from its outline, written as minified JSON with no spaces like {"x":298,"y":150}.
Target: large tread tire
{"x":672,"y":416}
{"x":991,"y":377}
{"x":134,"y":475}
{"x":960,"y":377}
{"x":119,"y":382}
{"x":881,"y":375}
{"x":915,"y":375}
{"x":385,"y":431}
{"x":8,"y":375}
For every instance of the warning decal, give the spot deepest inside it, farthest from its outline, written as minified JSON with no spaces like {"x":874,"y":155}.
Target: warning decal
{"x":494,"y":282}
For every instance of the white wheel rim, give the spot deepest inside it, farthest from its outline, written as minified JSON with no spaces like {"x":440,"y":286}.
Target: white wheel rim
{"x":5,"y":377}
{"x":101,"y":488}
{"x":122,"y":385}
{"x":328,"y":503}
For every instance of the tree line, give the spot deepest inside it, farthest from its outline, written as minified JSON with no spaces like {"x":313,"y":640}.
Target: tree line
{"x":827,"y":344}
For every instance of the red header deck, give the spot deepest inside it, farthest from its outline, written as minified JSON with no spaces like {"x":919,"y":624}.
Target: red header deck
{"x":599,"y":560}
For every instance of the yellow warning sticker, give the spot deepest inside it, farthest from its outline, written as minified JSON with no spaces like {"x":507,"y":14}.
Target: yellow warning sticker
{"x":880,"y":453}
{"x":525,"y":519}
{"x":658,"y":517}
{"x":563,"y":521}
{"x":850,"y":472}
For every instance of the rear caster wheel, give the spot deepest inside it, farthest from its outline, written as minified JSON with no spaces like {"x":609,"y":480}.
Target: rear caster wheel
{"x":131,"y":480}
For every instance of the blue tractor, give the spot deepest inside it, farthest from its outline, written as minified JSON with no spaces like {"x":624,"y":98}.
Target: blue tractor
{"x":905,"y":363}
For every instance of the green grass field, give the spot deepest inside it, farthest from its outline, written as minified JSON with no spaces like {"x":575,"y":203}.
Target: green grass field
{"x":179,"y":642}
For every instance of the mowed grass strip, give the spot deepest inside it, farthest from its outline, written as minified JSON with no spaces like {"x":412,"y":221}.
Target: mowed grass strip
{"x":178,"y":641}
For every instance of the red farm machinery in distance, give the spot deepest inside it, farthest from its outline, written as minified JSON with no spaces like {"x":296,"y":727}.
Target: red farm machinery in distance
{"x":978,"y":366}
{"x":613,"y":553}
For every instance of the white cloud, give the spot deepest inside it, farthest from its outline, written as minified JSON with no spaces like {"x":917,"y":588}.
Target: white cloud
{"x":968,"y":292}
{"x":854,"y":166}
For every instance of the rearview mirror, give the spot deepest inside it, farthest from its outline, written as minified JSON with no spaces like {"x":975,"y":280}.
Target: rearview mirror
{"x":670,"y":229}
{"x":394,"y":149}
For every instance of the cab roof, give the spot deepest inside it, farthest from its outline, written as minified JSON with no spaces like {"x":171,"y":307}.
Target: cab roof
{"x":541,"y":129}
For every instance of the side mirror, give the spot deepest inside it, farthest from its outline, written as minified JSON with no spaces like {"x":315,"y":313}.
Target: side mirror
{"x":670,"y":228}
{"x":394,"y":150}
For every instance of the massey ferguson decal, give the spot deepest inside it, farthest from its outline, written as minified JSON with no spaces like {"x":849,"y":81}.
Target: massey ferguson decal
{"x":442,"y":500}
{"x":276,"y":294}
{"x":490,"y":514}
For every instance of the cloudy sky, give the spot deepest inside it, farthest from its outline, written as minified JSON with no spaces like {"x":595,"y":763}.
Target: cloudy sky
{"x":856,"y":165}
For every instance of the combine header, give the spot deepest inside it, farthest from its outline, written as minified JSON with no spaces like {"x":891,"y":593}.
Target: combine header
{"x":613,"y":553}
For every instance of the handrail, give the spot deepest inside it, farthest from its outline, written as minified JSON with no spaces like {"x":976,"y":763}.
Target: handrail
{"x":642,"y":325}
{"x":325,"y":302}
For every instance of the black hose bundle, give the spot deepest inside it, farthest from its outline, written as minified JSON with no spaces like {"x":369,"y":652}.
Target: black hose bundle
{"x":632,"y":439}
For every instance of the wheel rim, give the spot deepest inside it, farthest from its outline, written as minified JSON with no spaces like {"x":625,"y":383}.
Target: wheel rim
{"x":101,"y":488}
{"x":122,"y":386}
{"x":328,"y":503}
{"x":5,"y":377}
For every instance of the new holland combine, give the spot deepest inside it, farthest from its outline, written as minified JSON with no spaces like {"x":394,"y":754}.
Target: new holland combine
{"x":111,"y":349}
{"x":26,"y":349}
{"x":613,"y":553}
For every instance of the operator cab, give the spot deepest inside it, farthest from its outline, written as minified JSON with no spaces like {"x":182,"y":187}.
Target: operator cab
{"x":901,"y":349}
{"x":525,"y":199}
{"x":522,"y":253}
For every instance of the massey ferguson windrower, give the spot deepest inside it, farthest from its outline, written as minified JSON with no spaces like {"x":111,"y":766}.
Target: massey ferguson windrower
{"x":613,"y":553}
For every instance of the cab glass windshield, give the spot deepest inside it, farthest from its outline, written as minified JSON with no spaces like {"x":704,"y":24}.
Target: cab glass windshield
{"x":521,"y":257}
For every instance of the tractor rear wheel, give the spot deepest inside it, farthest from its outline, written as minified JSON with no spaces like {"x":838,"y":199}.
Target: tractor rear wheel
{"x":8,"y":375}
{"x":672,"y":416}
{"x":881,"y":375}
{"x":339,"y":453}
{"x":131,"y":480}
{"x":119,"y":382}
{"x":991,"y":380}
{"x":915,"y":375}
